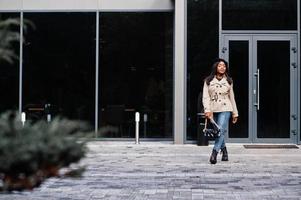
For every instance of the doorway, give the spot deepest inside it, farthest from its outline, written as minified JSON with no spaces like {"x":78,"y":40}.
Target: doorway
{"x":264,"y":70}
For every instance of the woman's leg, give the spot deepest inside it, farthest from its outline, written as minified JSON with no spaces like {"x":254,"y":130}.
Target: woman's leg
{"x":222,"y":119}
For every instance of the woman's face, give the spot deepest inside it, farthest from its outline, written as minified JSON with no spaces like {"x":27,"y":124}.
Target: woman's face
{"x":221,"y":68}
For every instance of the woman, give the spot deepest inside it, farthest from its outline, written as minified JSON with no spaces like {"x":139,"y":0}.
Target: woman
{"x":219,"y":104}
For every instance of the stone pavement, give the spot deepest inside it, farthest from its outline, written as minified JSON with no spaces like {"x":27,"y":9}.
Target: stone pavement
{"x":123,"y":170}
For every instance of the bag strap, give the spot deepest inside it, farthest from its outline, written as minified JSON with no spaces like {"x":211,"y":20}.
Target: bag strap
{"x":212,"y":121}
{"x":205,"y":124}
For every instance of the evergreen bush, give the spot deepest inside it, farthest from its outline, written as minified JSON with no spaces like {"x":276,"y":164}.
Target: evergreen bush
{"x":32,"y":153}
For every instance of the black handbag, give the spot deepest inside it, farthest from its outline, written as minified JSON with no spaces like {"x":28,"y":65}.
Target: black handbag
{"x":211,"y":130}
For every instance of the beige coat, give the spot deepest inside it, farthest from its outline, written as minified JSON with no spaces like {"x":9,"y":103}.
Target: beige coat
{"x":218,"y":96}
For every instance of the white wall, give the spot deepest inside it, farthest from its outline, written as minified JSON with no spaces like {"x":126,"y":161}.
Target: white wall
{"x":102,"y":5}
{"x":8,"y":5}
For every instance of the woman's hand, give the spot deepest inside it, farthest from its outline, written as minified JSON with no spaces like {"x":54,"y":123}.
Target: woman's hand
{"x":234,"y":119}
{"x":209,"y":115}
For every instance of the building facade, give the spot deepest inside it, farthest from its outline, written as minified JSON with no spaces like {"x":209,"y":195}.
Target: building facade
{"x":104,"y":60}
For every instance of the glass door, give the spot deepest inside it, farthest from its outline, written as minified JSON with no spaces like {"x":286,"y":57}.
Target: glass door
{"x":265,"y":82}
{"x":274,"y":88}
{"x":237,"y":50}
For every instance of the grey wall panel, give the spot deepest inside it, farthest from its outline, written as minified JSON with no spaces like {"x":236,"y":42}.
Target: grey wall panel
{"x":180,"y":72}
{"x":10,"y":5}
{"x":136,"y":4}
{"x":33,"y":5}
{"x":102,"y":5}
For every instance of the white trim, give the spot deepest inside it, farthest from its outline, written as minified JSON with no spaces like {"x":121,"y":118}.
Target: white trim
{"x":135,"y":4}
{"x":136,"y":10}
{"x":10,"y":5}
{"x":85,"y":11}
{"x":59,"y":5}
{"x":85,"y":5}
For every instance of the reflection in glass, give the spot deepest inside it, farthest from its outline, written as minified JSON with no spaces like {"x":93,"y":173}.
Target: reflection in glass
{"x":136,"y":74}
{"x":59,"y":66}
{"x":273,"y":118}
{"x":202,"y":50}
{"x":239,"y":70}
{"x":9,"y":73}
{"x":259,"y":15}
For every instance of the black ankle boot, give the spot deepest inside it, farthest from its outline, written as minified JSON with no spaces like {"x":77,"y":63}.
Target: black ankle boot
{"x":213,"y":156}
{"x":225,"y":154}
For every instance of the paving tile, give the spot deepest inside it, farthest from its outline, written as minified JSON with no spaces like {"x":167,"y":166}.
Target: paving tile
{"x":123,"y":170}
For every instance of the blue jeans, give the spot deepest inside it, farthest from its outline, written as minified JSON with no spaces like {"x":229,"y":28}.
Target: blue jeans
{"x":222,"y":119}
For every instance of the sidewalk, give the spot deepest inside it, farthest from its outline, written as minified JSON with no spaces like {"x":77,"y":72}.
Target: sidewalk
{"x":159,"y":171}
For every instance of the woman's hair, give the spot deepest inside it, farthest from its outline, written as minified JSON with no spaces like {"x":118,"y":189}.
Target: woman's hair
{"x":209,"y":78}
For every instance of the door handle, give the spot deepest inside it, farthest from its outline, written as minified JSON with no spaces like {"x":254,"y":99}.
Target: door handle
{"x":257,"y":74}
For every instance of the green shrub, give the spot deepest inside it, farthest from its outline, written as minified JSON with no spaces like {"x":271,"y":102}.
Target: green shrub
{"x":32,"y":153}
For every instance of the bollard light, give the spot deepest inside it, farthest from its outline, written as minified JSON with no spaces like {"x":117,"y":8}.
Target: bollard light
{"x":48,"y":118}
{"x":23,"y":118}
{"x":137,"y":119}
{"x":144,"y":124}
{"x":137,"y":116}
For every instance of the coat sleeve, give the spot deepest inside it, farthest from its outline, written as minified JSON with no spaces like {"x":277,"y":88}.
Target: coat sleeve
{"x":206,"y":98}
{"x":232,"y":99}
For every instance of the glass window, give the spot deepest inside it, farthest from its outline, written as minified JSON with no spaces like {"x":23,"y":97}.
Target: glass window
{"x":59,"y":66}
{"x":9,"y":72}
{"x":202,"y":50}
{"x":259,"y":14}
{"x":136,"y":74}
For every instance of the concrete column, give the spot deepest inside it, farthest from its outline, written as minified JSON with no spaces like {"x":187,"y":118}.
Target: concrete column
{"x":180,"y":72}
